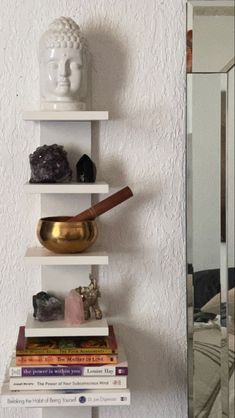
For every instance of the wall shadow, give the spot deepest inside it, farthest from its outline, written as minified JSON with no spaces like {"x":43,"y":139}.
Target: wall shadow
{"x":108,"y":69}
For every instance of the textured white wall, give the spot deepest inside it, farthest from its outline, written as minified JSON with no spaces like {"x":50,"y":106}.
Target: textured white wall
{"x":138,"y":74}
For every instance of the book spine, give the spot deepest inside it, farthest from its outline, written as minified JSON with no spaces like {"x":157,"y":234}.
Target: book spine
{"x":63,"y":383}
{"x":45,"y":360}
{"x":63,"y":351}
{"x":38,"y":400}
{"x":67,"y":371}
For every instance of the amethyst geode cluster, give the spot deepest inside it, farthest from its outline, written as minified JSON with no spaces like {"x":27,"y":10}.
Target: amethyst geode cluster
{"x":49,"y":164}
{"x":47,"y":307}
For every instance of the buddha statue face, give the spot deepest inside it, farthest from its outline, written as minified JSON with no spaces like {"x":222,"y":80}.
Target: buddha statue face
{"x":62,"y":66}
{"x":62,"y":73}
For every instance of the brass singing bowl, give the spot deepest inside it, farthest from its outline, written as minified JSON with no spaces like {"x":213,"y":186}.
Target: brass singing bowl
{"x":60,"y":236}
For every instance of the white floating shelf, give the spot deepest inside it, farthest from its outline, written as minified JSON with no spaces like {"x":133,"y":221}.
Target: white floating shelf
{"x":62,"y":116}
{"x":35,"y":328}
{"x":41,"y":256}
{"x":67,"y":188}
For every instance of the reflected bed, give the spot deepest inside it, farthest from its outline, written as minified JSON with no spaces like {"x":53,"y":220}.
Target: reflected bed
{"x":207,"y":372}
{"x":207,"y":343}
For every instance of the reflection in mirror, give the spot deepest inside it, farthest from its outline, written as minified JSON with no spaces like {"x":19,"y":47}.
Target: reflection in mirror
{"x":210,"y":257}
{"x":231,"y":231}
{"x":205,"y":238}
{"x":210,"y":212}
{"x":210,"y":28}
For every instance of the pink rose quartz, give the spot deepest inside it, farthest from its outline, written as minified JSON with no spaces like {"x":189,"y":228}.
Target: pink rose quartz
{"x":74,"y":310}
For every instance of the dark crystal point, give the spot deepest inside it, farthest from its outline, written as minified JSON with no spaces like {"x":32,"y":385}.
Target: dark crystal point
{"x":49,"y":164}
{"x":47,"y":307}
{"x":86,"y":170}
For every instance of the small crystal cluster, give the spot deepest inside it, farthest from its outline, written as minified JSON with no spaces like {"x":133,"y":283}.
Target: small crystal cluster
{"x":49,"y":164}
{"x":47,"y":307}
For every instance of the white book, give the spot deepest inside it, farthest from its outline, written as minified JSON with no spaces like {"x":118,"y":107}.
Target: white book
{"x":40,"y":399}
{"x":61,"y":383}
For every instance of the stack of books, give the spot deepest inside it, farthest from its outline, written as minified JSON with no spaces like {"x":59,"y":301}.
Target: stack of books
{"x":52,"y":371}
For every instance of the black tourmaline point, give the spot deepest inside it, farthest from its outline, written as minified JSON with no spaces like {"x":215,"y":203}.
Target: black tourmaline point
{"x":49,"y":164}
{"x":86,"y":170}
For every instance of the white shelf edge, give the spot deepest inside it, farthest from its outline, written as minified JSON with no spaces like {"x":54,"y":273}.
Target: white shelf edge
{"x":93,"y":327}
{"x":44,"y":115}
{"x":67,"y":188}
{"x":41,"y":256}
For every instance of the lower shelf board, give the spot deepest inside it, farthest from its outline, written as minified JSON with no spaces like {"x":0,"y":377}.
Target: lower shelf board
{"x":40,"y":399}
{"x":66,"y":188}
{"x":92,"y":327}
{"x":41,"y":256}
{"x":66,"y":115}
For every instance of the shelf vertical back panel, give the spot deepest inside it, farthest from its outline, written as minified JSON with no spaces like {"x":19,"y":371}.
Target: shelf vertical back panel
{"x":76,"y":139}
{"x":61,"y":279}
{"x":68,"y":412}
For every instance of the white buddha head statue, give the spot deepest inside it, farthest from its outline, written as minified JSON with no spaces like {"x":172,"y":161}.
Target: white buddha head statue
{"x":63,"y":57}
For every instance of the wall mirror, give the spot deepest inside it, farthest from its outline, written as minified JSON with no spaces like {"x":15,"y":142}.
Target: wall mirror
{"x":210,"y":208}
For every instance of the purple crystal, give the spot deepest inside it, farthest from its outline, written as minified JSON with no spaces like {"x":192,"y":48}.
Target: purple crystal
{"x":47,"y":307}
{"x":49,"y":164}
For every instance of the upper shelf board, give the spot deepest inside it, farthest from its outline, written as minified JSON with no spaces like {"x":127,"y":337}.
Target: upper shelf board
{"x":67,"y":188}
{"x":43,"y":115}
{"x":41,"y":256}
